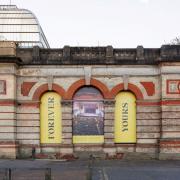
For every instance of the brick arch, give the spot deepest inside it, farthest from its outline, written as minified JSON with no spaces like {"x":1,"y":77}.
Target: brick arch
{"x":44,"y":88}
{"x":131,"y":87}
{"x":102,"y":87}
{"x":80,"y":83}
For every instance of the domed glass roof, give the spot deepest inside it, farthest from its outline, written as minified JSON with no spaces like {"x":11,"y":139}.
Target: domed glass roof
{"x":21,"y":26}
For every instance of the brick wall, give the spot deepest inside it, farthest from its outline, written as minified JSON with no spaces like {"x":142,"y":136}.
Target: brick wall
{"x":158,"y":112}
{"x":8,"y":143}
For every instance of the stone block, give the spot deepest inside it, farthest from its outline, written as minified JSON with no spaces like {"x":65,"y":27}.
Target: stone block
{"x":171,"y":115}
{"x":110,"y":151}
{"x":148,"y":129}
{"x":28,"y":116}
{"x":140,"y":156}
{"x":108,"y":129}
{"x":86,"y":148}
{"x":28,"y":123}
{"x":171,"y":122}
{"x":25,"y":152}
{"x":66,"y":150}
{"x":109,"y":116}
{"x":171,"y":128}
{"x":148,"y":135}
{"x":146,"y":149}
{"x":170,"y":134}
{"x":66,"y":141}
{"x":66,"y":122}
{"x":170,"y":149}
{"x":108,"y":141}
{"x":109,"y":109}
{"x":8,"y":149}
{"x":144,"y":109}
{"x":8,"y":153}
{"x":149,"y":141}
{"x":67,"y":116}
{"x":28,"y":130}
{"x":109,"y":122}
{"x":67,"y":110}
{"x":7,"y":48}
{"x":10,"y":109}
{"x":170,"y":108}
{"x":108,"y":135}
{"x":7,"y":136}
{"x":10,"y":93}
{"x":67,"y":135}
{"x":7,"y":129}
{"x":148,"y":122}
{"x":27,"y":109}
{"x":7,"y":122}
{"x":30,"y":136}
{"x":148,"y":116}
{"x":29,"y":141}
{"x":50,"y":150}
{"x":67,"y":129}
{"x":169,"y":156}
{"x":122,"y":149}
{"x":7,"y":116}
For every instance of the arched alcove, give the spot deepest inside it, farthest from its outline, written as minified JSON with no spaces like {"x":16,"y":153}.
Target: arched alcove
{"x":125,"y":118}
{"x":50,"y":118}
{"x":88,"y":116}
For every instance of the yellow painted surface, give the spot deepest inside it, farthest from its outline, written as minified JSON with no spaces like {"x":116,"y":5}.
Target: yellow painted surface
{"x":88,"y":139}
{"x":125,"y":118}
{"x":50,"y":118}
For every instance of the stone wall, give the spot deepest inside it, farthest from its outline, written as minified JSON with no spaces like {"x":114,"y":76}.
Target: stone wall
{"x":34,"y":81}
{"x":8,"y":143}
{"x":156,"y":87}
{"x":170,"y":130}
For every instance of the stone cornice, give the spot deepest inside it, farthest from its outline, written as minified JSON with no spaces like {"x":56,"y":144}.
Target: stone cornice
{"x":95,"y":56}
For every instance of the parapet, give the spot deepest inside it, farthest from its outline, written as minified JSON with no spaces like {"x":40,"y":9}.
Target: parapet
{"x":91,"y":55}
{"x":7,"y":48}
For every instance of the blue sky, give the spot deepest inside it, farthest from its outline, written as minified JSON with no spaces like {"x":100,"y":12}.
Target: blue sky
{"x":120,"y":23}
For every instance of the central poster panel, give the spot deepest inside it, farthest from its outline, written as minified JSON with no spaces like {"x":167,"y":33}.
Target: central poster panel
{"x":88,"y":116}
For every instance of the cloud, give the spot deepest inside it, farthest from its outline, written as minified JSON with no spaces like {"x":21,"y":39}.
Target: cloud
{"x":144,"y":1}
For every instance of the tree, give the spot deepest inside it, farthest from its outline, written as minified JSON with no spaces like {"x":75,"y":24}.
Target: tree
{"x":175,"y":41}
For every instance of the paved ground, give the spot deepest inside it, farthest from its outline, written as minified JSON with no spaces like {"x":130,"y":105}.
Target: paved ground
{"x":92,"y":170}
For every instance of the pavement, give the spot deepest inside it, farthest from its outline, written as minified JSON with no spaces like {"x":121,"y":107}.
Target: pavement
{"x":92,"y":169}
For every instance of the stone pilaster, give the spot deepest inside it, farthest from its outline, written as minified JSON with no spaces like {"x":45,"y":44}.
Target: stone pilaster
{"x":170,"y":132}
{"x":169,"y":144}
{"x":67,"y":117}
{"x":8,"y":143}
{"x":109,"y":146}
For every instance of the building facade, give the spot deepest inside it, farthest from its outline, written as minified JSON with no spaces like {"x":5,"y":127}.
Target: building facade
{"x":123,"y":103}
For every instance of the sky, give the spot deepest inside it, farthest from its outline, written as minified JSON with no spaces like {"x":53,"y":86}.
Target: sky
{"x":120,"y":23}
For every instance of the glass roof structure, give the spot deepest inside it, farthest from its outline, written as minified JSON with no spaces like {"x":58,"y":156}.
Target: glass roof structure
{"x":21,"y":26}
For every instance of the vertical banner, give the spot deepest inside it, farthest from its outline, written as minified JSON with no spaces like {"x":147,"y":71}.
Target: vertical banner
{"x":50,"y":118}
{"x":88,"y":116}
{"x":125,"y":118}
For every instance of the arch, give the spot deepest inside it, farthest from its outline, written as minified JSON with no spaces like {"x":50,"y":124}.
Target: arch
{"x":44,"y":88}
{"x":131,"y":87}
{"x":88,"y":115}
{"x":102,"y":87}
{"x":94,"y":82}
{"x":50,"y":118}
{"x":73,"y":88}
{"x":125,"y":118}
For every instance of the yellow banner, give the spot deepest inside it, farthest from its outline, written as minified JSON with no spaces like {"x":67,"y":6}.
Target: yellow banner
{"x":88,"y":139}
{"x":125,"y":118}
{"x":50,"y":118}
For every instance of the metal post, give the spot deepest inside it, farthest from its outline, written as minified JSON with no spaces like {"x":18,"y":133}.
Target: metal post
{"x":48,"y":174}
{"x":8,"y":174}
